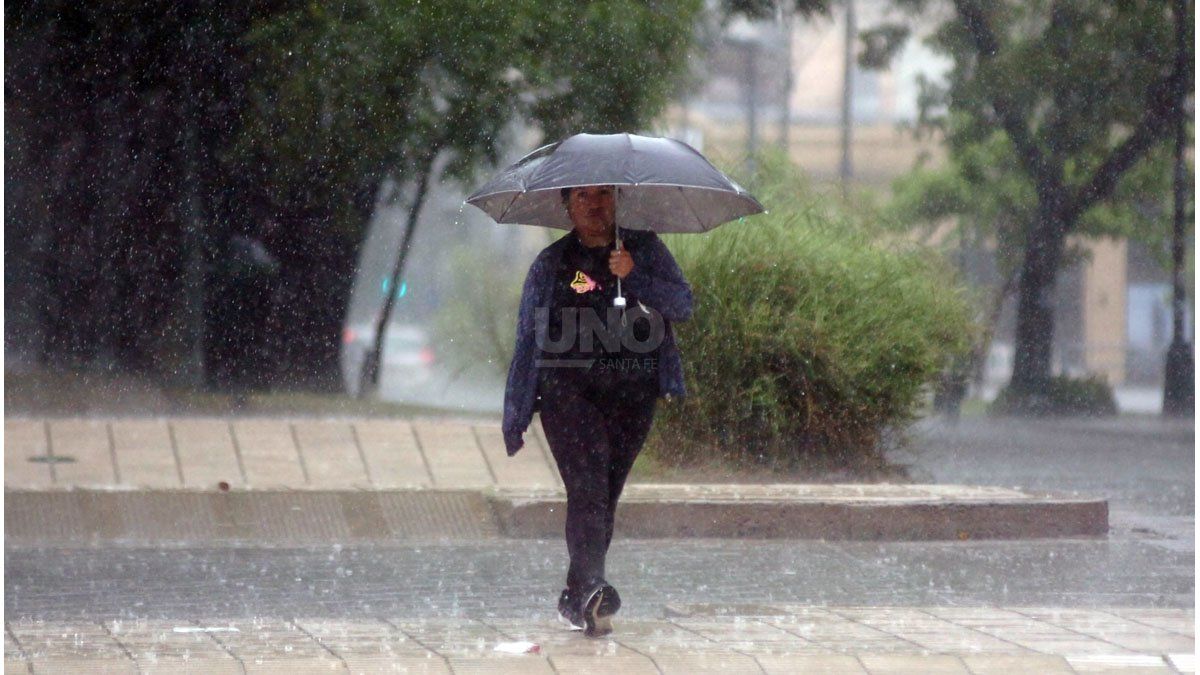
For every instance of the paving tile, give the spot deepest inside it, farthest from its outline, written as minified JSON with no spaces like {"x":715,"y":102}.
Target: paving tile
{"x":191,"y":666}
{"x":835,"y":633}
{"x":500,"y":664}
{"x":24,"y":439}
{"x":145,"y":457}
{"x":692,"y":644}
{"x":1181,"y":621}
{"x":330,"y":454}
{"x":269,"y":453}
{"x":929,"y":632}
{"x":411,"y":665}
{"x":1027,"y":631}
{"x":69,"y":665}
{"x":1112,"y":628}
{"x":832,"y":664}
{"x":1080,"y":645}
{"x":393,"y":456}
{"x":681,"y":662}
{"x":87,"y":442}
{"x":451,"y":638}
{"x":913,"y":664}
{"x":627,"y":664}
{"x":270,"y":645}
{"x":206,"y":454}
{"x":271,"y":665}
{"x":535,"y":439}
{"x":363,"y":639}
{"x":750,"y":635}
{"x":1184,"y":663}
{"x":655,"y":637}
{"x":454,"y":457}
{"x":535,"y":443}
{"x":526,"y":469}
{"x":1006,"y":664}
{"x":71,"y":647}
{"x":571,"y":652}
{"x":11,"y":649}
{"x":15,"y":660}
{"x":1150,"y":644}
{"x":556,"y":640}
{"x":1125,"y":664}
{"x":156,"y":645}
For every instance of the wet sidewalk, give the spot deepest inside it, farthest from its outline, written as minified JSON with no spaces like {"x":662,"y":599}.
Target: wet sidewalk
{"x":294,"y":481}
{"x":689,"y":640}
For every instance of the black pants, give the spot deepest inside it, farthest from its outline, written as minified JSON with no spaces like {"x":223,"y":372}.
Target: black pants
{"x":596,"y":429}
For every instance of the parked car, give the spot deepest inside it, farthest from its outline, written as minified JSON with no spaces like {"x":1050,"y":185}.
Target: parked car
{"x":408,"y":358}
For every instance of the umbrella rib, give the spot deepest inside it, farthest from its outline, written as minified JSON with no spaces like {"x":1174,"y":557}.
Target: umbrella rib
{"x":691,"y":208}
{"x":506,"y":208}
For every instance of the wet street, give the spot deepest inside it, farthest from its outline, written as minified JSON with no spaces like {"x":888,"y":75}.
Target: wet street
{"x":1146,"y":561}
{"x":1144,"y":467}
{"x":519,"y":578}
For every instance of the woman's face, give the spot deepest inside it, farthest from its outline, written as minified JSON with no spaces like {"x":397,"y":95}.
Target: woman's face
{"x":592,"y":209}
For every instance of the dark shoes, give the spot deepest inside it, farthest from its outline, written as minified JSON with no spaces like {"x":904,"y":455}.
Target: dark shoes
{"x":592,"y":612}
{"x":599,"y":605}
{"x":570,"y":613}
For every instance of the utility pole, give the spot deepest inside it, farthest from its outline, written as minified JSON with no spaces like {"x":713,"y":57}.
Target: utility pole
{"x":787,"y":14}
{"x":1179,"y":391}
{"x":751,"y":99}
{"x":847,"y":170}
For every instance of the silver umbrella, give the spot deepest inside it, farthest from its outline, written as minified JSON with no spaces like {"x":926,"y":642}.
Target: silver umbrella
{"x":662,"y":184}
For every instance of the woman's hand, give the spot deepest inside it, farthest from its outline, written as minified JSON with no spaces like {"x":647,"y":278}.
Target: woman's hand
{"x":620,"y":263}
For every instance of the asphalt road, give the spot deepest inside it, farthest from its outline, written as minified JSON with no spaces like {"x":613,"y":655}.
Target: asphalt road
{"x":1145,"y":468}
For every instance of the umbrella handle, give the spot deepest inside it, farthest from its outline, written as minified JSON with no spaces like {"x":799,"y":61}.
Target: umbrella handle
{"x":619,"y":301}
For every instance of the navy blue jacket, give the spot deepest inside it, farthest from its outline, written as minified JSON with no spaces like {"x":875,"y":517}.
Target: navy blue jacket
{"x":655,"y":280}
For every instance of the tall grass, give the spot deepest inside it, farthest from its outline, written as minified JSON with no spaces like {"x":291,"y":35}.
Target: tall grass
{"x":814,"y":333}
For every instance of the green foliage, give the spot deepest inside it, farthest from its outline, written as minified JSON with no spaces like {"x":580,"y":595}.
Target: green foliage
{"x":348,"y":96}
{"x":1078,"y":74}
{"x":352,"y":93}
{"x":1063,"y":396}
{"x":813,"y":333}
{"x":1055,"y":114}
{"x":477,"y":321}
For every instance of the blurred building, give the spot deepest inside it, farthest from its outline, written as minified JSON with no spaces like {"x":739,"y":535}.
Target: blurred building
{"x":1113,"y":312}
{"x":1112,"y":316}
{"x":744,"y":98}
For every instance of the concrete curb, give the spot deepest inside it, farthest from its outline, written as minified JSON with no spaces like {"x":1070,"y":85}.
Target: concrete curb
{"x":874,"y":512}
{"x":75,"y":516}
{"x":281,"y":517}
{"x":857,"y":522}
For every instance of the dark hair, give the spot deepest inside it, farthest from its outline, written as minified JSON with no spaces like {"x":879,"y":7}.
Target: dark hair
{"x":565,"y":193}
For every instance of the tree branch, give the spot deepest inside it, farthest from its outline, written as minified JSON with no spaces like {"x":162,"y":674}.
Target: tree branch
{"x":1045,"y":175}
{"x":1153,"y":127}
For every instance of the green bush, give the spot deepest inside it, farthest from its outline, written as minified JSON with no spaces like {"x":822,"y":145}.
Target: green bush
{"x":814,"y":334}
{"x":477,"y":321}
{"x":1089,"y":396}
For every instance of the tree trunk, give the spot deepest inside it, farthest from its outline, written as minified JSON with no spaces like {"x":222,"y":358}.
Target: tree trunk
{"x":1035,"y":306}
{"x":368,"y":380}
{"x":309,"y":303}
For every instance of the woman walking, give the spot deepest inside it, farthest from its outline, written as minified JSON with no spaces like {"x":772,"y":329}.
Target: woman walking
{"x":596,"y":391}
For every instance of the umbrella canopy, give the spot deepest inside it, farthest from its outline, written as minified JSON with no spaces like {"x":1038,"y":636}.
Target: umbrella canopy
{"x":662,"y":184}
